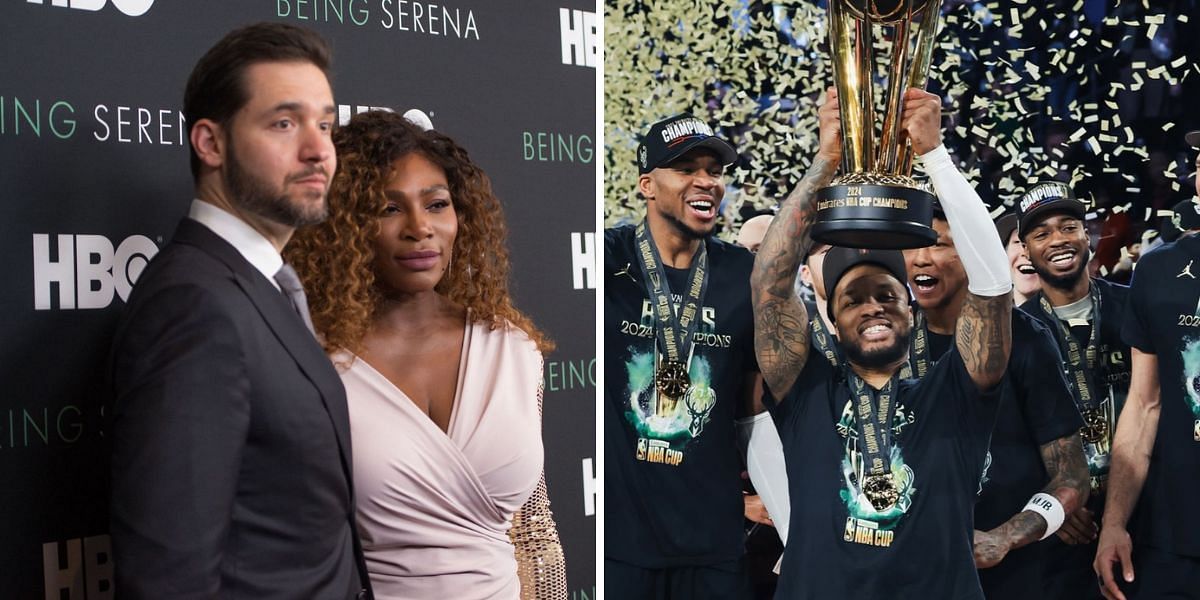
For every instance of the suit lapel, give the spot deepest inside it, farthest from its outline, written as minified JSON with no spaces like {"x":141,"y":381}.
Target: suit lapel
{"x":285,"y":324}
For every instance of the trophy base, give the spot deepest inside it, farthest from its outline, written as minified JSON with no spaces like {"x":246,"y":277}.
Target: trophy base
{"x":874,"y":210}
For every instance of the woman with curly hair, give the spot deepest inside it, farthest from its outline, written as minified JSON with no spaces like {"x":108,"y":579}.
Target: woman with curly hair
{"x":408,"y":288}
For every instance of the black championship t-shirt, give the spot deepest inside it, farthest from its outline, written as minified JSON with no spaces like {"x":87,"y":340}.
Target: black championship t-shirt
{"x":1110,"y":377}
{"x":838,"y":545}
{"x":672,"y":471}
{"x":1163,"y":318}
{"x":1068,"y":568}
{"x":1036,"y":408}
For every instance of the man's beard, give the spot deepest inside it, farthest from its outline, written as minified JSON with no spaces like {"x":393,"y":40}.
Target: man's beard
{"x":257,"y":196}
{"x":880,"y":357}
{"x":682,"y":227}
{"x":1066,"y":281}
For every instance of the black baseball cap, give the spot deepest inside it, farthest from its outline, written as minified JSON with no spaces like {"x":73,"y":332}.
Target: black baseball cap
{"x":1187,"y":215}
{"x":1192,"y":138}
{"x":1045,"y":198}
{"x":670,"y":138}
{"x":839,"y":260}
{"x":1005,"y":225}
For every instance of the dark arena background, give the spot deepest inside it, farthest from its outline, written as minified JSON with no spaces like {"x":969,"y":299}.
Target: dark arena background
{"x":94,"y":177}
{"x":1095,"y":93}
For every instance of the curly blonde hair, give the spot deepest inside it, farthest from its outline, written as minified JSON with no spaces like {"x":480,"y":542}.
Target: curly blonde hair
{"x":334,"y":258}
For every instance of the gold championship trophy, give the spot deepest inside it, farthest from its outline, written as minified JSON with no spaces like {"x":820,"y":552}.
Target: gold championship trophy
{"x":875,"y":203}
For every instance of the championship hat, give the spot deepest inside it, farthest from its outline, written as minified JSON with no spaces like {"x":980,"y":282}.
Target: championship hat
{"x":1044,"y":198}
{"x":670,"y":138}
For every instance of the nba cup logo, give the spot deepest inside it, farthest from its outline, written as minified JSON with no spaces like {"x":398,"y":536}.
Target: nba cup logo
{"x":875,"y":203}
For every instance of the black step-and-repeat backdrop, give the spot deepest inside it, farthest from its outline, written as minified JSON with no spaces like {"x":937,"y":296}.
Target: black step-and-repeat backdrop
{"x":94,"y":176}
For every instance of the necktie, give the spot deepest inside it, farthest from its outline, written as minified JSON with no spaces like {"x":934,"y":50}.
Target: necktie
{"x":289,"y":282}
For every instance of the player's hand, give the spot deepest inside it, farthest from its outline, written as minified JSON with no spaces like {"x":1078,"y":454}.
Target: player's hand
{"x":829,"y":116}
{"x":990,"y":549}
{"x":1079,"y":527}
{"x":921,"y":119}
{"x":1114,"y":547}
{"x":755,"y":510}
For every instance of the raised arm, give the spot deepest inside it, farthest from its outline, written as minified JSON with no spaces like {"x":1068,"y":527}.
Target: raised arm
{"x":1137,"y":427}
{"x":983,"y":337}
{"x":984,"y":332}
{"x":780,"y":319}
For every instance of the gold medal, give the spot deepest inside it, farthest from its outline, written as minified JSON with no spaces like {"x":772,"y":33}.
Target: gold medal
{"x":881,"y":491}
{"x":671,"y":378}
{"x":1095,"y":426}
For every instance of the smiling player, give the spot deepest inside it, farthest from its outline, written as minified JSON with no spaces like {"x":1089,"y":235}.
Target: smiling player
{"x":679,"y":360}
{"x":883,"y":470}
{"x":1085,"y":316}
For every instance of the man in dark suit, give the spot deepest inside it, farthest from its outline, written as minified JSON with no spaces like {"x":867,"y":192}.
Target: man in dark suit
{"x":231,"y":448}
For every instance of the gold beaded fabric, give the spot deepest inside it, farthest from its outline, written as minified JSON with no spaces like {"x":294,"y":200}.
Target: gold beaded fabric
{"x":541,"y":567}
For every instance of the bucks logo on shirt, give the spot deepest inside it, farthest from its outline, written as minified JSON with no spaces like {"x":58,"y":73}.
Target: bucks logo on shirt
{"x":864,"y":524}
{"x":666,"y":425}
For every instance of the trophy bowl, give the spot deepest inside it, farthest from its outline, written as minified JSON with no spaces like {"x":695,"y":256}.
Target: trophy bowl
{"x":874,"y":210}
{"x":875,"y":203}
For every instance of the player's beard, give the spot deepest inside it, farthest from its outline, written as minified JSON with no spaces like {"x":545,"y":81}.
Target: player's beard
{"x":880,"y":357}
{"x":683,"y":228}
{"x":1065,"y":281}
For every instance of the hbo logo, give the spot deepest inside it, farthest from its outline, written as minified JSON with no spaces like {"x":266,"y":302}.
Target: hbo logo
{"x":87,"y":269}
{"x":133,"y":8}
{"x":83,"y":568}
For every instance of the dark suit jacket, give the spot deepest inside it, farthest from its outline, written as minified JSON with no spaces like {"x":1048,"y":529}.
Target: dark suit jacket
{"x":231,"y":438}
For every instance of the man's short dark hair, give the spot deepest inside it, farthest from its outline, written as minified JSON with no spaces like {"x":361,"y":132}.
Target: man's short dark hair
{"x":216,"y":88}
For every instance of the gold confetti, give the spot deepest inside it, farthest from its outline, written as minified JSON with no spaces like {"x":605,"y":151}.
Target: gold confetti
{"x":761,"y":79}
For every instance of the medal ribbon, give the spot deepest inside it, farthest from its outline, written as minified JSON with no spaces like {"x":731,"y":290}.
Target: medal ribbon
{"x":1080,"y":362}
{"x":820,"y":338}
{"x":918,"y":350}
{"x":874,"y":412}
{"x":676,"y":328}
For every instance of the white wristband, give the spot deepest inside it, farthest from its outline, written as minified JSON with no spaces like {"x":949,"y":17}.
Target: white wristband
{"x":1050,"y":508}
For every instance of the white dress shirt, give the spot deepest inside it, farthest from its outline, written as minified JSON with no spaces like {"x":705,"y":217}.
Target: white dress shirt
{"x":256,"y":249}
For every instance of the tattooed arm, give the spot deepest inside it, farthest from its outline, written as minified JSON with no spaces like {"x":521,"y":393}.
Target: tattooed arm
{"x":1068,"y":472}
{"x":781,"y":340}
{"x":984,"y":337}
